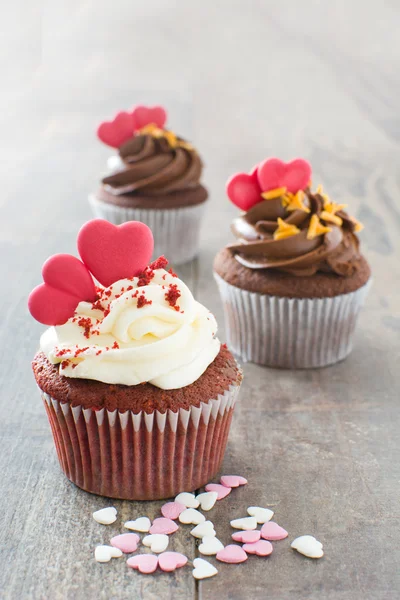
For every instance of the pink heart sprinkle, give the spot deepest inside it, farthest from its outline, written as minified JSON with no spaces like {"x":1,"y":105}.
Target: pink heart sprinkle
{"x":126,"y":542}
{"x":232,"y":554}
{"x":114,"y":133}
{"x":144,"y":563}
{"x":244,"y":190}
{"x":169,"y":561}
{"x":145,"y":115}
{"x":261,"y":548}
{"x":274,"y":173}
{"x":247,"y":537}
{"x":113,"y":252}
{"x":221,"y":490}
{"x":163,"y":525}
{"x":172,"y":510}
{"x":273,"y":531}
{"x":233,"y":481}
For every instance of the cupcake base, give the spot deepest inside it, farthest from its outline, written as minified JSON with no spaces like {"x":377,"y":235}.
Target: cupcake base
{"x":176,"y":231}
{"x":141,"y":456}
{"x":291,"y":333}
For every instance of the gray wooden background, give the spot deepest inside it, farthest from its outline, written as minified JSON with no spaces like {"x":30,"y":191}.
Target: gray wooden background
{"x":243,"y":80}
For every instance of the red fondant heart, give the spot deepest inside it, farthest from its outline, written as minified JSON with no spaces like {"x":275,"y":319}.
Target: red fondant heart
{"x":144,"y":115}
{"x":243,"y":190}
{"x":113,"y":252}
{"x":274,"y":173}
{"x":66,"y":283}
{"x":115,"y":133}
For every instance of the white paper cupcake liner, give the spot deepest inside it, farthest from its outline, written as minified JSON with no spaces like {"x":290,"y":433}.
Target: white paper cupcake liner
{"x":290,"y":333}
{"x":176,"y":231}
{"x":141,"y":456}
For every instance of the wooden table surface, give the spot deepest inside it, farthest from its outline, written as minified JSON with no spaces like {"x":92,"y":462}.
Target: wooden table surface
{"x":243,"y":81}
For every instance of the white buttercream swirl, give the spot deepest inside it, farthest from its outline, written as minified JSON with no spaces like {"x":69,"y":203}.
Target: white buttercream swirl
{"x":165,"y":345}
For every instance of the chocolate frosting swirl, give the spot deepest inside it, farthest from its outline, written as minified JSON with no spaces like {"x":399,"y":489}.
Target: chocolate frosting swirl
{"x":153,"y":166}
{"x":336,"y":251}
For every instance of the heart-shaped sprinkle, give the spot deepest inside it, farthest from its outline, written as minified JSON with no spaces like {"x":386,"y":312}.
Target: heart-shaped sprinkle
{"x":105,"y":516}
{"x":233,"y":481}
{"x":141,"y":524}
{"x":114,"y":252}
{"x":66,"y":283}
{"x":261,"y":514}
{"x":232,"y":554}
{"x":202,"y":530}
{"x":273,"y":531}
{"x":244,"y":190}
{"x":172,"y":510}
{"x":274,"y":173}
{"x":210,"y":545}
{"x":191,"y":516}
{"x":207,"y":500}
{"x":103,"y":554}
{"x":189,"y":500}
{"x":163,"y":525}
{"x":247,"y":537}
{"x":169,"y":561}
{"x":144,"y":563}
{"x":309,"y":546}
{"x":114,"y":133}
{"x":126,"y":542}
{"x":246,"y":523}
{"x":261,"y":548}
{"x":147,"y":115}
{"x":203,"y":569}
{"x":221,"y":490}
{"x":157,"y":542}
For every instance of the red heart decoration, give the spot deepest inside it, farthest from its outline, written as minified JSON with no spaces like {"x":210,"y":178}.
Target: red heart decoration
{"x":144,"y":115}
{"x":114,"y":252}
{"x":115,"y":133}
{"x":66,"y":283}
{"x":274,"y":173}
{"x":243,"y":190}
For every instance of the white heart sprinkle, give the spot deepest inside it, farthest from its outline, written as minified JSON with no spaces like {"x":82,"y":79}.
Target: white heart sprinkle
{"x":207,"y":500}
{"x":308,"y":545}
{"x":261,"y":514}
{"x":247,"y":523}
{"x":204,"y":529}
{"x":157,"y":542}
{"x":104,"y":554}
{"x":187,"y":499}
{"x":210,"y":545}
{"x":191,"y":516}
{"x":142,"y":524}
{"x":203,"y":569}
{"x":105,"y":516}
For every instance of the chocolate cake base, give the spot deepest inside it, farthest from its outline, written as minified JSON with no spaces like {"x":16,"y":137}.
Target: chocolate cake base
{"x":285,"y":285}
{"x":187,"y":197}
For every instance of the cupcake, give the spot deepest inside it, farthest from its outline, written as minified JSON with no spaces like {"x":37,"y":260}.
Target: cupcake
{"x":138,"y":389}
{"x":154,"y":178}
{"x":293,"y":282}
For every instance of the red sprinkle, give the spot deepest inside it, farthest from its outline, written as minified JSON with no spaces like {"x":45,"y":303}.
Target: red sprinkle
{"x":86,"y":323}
{"x":115,"y":345}
{"x":142,"y":301}
{"x":172,"y":295}
{"x":160,"y":263}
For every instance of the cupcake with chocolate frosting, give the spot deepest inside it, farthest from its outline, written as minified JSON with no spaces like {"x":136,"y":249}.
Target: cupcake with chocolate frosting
{"x":137,"y":387}
{"x":294,"y":280}
{"x":154,"y":178}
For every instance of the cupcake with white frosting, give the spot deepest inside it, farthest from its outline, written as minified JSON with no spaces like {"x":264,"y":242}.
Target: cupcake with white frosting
{"x":137,"y":387}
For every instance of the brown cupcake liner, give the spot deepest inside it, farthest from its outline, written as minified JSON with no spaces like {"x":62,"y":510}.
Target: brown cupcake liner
{"x":292,"y":333}
{"x":176,"y":231}
{"x":141,"y":456}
